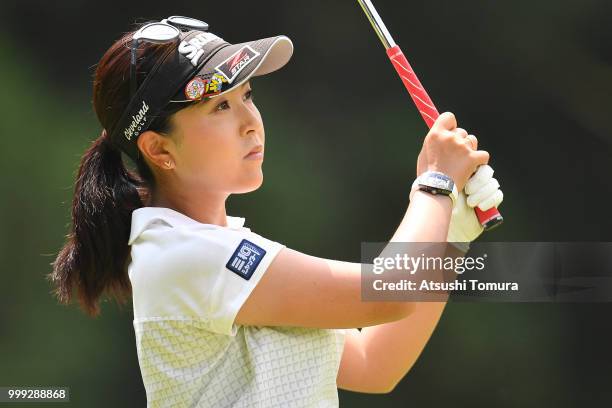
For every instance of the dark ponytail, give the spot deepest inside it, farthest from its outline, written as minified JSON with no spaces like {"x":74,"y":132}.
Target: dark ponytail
{"x":95,"y":256}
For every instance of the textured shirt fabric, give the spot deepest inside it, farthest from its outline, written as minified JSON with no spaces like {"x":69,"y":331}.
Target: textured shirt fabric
{"x":189,"y":281}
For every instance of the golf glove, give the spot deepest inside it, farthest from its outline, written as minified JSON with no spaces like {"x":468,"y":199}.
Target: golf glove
{"x":481,"y":190}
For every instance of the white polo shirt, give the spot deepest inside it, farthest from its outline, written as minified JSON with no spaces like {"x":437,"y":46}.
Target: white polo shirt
{"x":189,"y":281}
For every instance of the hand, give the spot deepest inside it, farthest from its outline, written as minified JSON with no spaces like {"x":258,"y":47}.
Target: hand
{"x":481,"y":190}
{"x":450,"y":150}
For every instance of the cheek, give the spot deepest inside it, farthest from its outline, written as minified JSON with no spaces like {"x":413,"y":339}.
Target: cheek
{"x":209,"y":151}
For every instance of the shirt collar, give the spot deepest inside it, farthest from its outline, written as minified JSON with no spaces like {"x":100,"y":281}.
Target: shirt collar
{"x":145,"y":216}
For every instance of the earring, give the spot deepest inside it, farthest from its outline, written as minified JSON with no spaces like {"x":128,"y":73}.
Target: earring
{"x":168,"y":164}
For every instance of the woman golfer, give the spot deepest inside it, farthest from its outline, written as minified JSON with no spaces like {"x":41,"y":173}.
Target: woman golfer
{"x":225,"y":317}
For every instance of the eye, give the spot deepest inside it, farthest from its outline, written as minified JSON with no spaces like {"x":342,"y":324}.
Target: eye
{"x":225,"y":105}
{"x":222,"y":106}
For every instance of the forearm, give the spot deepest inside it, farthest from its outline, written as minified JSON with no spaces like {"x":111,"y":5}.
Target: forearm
{"x":391,"y":349}
{"x":426,"y":219}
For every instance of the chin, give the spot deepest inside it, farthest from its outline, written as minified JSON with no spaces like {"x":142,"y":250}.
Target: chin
{"x":252,"y":185}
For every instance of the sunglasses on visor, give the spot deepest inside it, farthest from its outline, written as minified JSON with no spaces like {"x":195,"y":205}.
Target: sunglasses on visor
{"x":169,"y":29}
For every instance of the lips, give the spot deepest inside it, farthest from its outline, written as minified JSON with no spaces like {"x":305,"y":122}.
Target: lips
{"x":256,"y":149}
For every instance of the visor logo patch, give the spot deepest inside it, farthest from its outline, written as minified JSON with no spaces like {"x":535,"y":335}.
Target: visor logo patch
{"x":245,"y":259}
{"x":138,"y":121}
{"x":193,"y":49}
{"x":231,"y":67}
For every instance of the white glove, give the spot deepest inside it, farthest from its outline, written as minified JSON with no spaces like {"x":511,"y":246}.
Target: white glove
{"x":481,"y":190}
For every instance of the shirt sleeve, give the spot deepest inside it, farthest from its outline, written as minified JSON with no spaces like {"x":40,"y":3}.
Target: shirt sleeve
{"x":190,"y":273}
{"x":244,"y":259}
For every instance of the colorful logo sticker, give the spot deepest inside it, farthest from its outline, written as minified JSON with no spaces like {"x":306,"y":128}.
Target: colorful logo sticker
{"x":231,"y":67}
{"x":199,"y":87}
{"x":195,"y":89}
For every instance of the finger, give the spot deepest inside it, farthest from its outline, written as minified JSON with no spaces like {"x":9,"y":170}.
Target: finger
{"x":489,"y":189}
{"x":482,"y":176}
{"x":493,"y":201}
{"x":485,"y":171}
{"x":473,"y":141}
{"x":481,"y":157}
{"x":445,"y":121}
{"x":461,"y":133}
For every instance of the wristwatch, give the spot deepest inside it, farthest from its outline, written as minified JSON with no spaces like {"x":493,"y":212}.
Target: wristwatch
{"x":434,"y":182}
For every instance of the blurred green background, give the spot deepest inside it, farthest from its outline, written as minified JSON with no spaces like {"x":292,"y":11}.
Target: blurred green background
{"x":532,"y":79}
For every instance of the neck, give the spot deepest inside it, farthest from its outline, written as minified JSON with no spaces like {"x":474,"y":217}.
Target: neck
{"x":203,"y":206}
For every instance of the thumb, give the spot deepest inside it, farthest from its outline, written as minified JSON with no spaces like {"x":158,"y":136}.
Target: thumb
{"x":481,"y":157}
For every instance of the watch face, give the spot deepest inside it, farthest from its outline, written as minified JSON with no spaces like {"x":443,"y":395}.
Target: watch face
{"x":438,"y":181}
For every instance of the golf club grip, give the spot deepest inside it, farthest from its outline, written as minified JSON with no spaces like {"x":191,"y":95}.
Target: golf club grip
{"x":488,"y":219}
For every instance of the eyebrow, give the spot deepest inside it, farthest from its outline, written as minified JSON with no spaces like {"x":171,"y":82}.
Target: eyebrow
{"x":207,"y":101}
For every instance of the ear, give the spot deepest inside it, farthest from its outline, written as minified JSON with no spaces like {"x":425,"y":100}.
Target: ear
{"x":157,"y":148}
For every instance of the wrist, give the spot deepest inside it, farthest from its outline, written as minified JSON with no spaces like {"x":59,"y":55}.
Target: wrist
{"x":443,"y":200}
{"x":435,"y":183}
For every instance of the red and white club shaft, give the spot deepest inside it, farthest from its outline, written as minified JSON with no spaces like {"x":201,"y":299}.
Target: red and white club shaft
{"x":488,"y":219}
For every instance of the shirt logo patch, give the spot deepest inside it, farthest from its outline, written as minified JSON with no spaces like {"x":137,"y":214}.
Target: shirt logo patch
{"x":245,"y":259}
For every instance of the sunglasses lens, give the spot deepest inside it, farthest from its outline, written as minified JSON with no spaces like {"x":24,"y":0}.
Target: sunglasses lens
{"x":159,"y":32}
{"x":188,"y":22}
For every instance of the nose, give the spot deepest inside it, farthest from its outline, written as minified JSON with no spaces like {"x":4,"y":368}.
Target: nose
{"x":250,"y":120}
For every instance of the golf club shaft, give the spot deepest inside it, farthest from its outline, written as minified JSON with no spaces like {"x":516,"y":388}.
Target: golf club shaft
{"x":488,"y":219}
